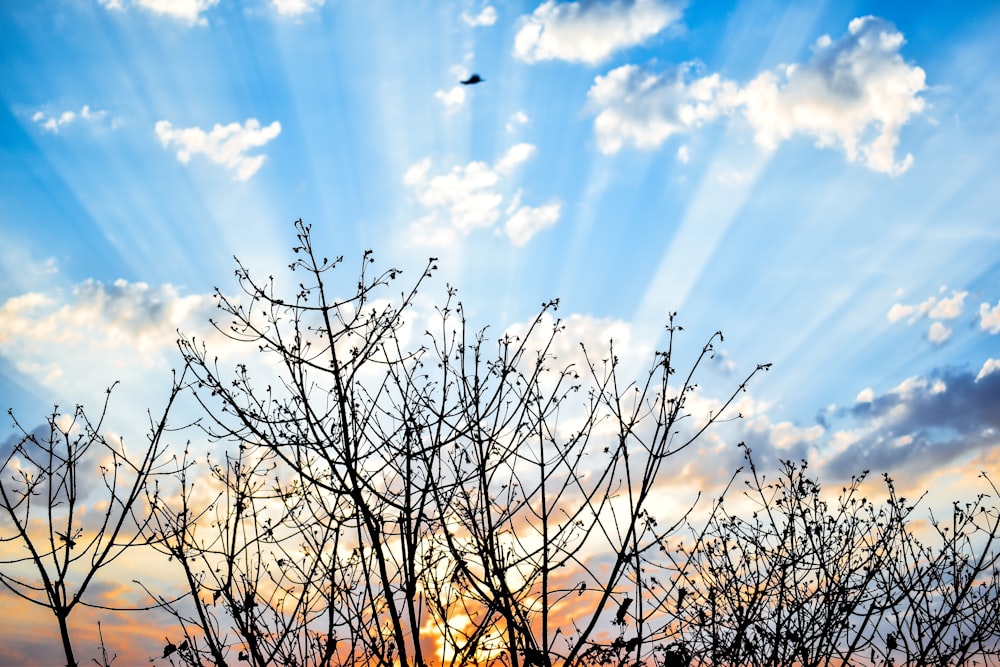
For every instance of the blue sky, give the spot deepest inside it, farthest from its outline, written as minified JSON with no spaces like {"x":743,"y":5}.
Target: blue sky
{"x":818,"y":180}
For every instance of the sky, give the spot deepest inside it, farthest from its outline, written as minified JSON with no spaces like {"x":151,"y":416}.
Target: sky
{"x":818,"y":180}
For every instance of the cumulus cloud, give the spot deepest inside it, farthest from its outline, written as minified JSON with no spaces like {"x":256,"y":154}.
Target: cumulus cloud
{"x":948,"y":308}
{"x":641,"y":108}
{"x":135,"y":313}
{"x":296,"y":7}
{"x":224,"y":144}
{"x":590,"y":32}
{"x":486,"y":17}
{"x":912,"y":313}
{"x":452,"y":99}
{"x":468,"y":197}
{"x":189,"y":11}
{"x":59,"y":339}
{"x":855,"y":94}
{"x":935,"y":308}
{"x":53,"y":123}
{"x":925,"y":422}
{"x":989,"y":318}
{"x":918,"y":426}
{"x":938,"y":333}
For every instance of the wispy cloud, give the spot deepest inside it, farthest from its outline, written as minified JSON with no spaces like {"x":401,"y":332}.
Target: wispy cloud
{"x":517,"y":119}
{"x":469,"y":197}
{"x":224,"y":144}
{"x":296,"y":7}
{"x":855,"y":94}
{"x":590,"y":32}
{"x":486,"y":17}
{"x":989,"y":366}
{"x":55,"y":122}
{"x":524,"y":222}
{"x":189,"y":11}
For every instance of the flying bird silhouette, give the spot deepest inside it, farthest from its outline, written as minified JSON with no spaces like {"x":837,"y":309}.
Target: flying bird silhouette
{"x":472,"y":80}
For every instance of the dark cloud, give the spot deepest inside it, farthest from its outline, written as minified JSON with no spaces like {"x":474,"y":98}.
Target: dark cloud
{"x":950,"y":415}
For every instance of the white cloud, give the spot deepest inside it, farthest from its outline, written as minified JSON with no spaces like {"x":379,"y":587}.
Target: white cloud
{"x":949,"y":308}
{"x":916,"y":384}
{"x":855,"y":94}
{"x":938,"y":333}
{"x":683,"y":154}
{"x":468,"y":197}
{"x":453,"y":98}
{"x":784,"y":435}
{"x":53,"y":123}
{"x":517,"y":119}
{"x":75,"y":342}
{"x":225,"y":144}
{"x":989,"y":318}
{"x":514,"y":157}
{"x":989,"y":366}
{"x":865,"y":395}
{"x":486,"y":17}
{"x":590,"y":32}
{"x":934,"y":308}
{"x":296,"y":7}
{"x":189,"y":11}
{"x":898,"y":311}
{"x":526,"y":221}
{"x":465,"y":193}
{"x":643,"y":108}
{"x":98,"y":333}
{"x":597,"y":334}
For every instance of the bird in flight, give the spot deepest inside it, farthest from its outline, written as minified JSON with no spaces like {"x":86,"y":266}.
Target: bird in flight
{"x":472,"y":80}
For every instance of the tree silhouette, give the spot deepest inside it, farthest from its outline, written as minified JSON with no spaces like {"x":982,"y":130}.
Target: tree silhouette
{"x":394,"y":505}
{"x":48,"y":482}
{"x":352,"y":494}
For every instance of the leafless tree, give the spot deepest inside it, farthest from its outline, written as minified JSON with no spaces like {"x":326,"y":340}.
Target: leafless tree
{"x":353,"y":495}
{"x":456,"y":502}
{"x":72,"y":503}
